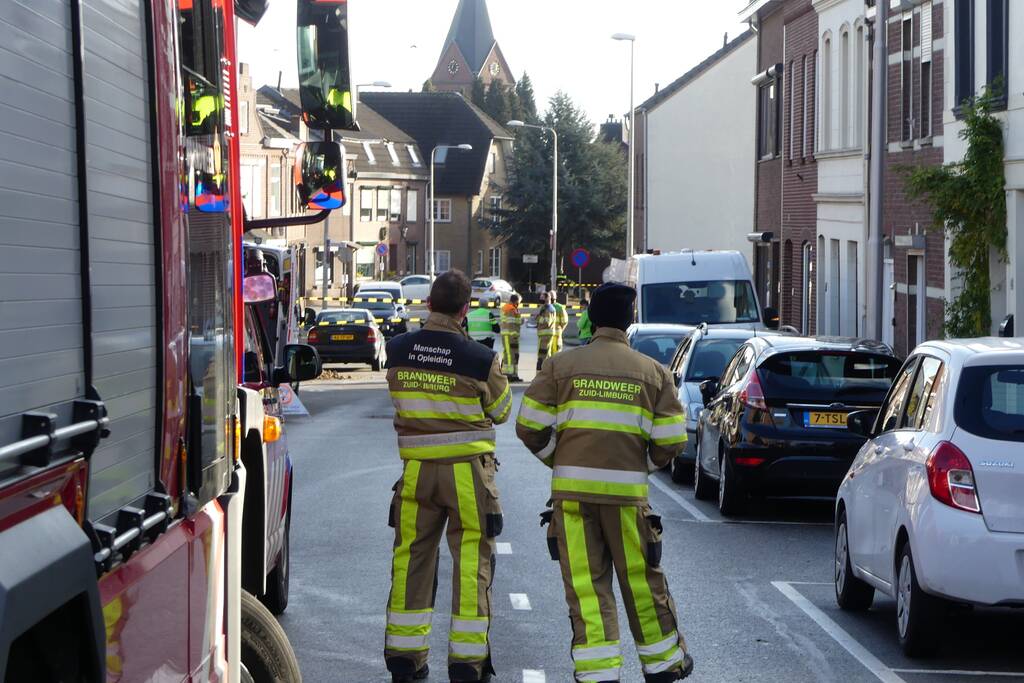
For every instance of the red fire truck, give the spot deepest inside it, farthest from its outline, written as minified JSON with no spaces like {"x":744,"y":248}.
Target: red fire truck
{"x":123,"y":426}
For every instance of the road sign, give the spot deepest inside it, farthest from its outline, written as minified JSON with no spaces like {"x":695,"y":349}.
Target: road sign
{"x":580,"y":258}
{"x":531,"y":258}
{"x":382,"y":249}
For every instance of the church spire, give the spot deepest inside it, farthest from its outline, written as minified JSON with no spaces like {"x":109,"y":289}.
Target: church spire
{"x":471,"y":32}
{"x":470,"y":52}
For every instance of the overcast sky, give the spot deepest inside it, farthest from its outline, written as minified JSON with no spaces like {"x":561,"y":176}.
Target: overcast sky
{"x":562,"y":44}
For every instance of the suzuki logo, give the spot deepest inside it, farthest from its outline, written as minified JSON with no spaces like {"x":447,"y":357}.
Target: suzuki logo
{"x":1000,"y":464}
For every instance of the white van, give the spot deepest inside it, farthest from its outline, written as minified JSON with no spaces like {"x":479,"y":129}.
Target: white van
{"x":694,"y":287}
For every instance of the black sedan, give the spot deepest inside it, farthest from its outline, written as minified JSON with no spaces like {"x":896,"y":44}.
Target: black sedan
{"x":391,"y":316}
{"x":348,"y":336}
{"x":775,"y":423}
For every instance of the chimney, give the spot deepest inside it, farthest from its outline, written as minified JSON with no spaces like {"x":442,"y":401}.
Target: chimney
{"x":657,"y":87}
{"x":280,"y":74}
{"x":725,"y":41}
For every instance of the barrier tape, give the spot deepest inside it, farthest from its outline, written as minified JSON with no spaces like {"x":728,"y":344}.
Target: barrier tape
{"x":417,"y":302}
{"x":399,"y":320}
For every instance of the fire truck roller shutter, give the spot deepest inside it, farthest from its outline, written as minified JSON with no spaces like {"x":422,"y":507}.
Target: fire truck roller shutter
{"x":123,"y":254}
{"x":41,"y":340}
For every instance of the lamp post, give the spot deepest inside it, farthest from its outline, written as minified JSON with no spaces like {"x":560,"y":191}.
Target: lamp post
{"x":632,"y":153}
{"x":554,"y":196}
{"x":374,"y":84}
{"x":433,"y":156}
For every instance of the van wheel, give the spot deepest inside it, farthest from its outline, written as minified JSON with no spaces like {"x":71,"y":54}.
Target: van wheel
{"x":852,"y":594}
{"x":917,"y":613}
{"x":266,"y":653}
{"x":276,"y":597}
{"x":731,"y":498}
{"x":703,"y":485}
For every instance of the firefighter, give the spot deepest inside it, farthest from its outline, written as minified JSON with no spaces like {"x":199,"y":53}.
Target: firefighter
{"x":603,"y":416}
{"x":547,"y":322}
{"x":483,"y":326}
{"x":511,"y":322}
{"x":561,"y":322}
{"x":448,"y":393}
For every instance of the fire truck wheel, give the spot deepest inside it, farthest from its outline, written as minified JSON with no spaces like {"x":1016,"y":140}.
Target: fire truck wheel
{"x":266,"y":653}
{"x":276,"y":597}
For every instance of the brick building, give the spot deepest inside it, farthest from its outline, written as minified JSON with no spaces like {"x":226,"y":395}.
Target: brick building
{"x":470,"y":52}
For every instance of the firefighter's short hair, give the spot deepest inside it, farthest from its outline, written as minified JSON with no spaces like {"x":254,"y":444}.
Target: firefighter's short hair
{"x":450,"y":292}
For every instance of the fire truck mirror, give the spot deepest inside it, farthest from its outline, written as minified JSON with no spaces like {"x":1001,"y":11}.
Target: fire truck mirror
{"x":325,"y":87}
{"x":319,"y":175}
{"x":251,"y":10}
{"x":257,"y":289}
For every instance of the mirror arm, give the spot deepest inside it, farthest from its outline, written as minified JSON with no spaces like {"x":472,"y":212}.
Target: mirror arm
{"x":288,"y":221}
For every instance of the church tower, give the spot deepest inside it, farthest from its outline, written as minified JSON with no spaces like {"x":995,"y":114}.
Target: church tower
{"x":470,"y":51}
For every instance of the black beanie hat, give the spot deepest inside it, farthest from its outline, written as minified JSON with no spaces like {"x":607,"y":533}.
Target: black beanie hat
{"x":612,"y":306}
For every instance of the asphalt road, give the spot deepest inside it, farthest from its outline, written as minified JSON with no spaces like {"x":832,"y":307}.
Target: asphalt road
{"x":755,"y":596}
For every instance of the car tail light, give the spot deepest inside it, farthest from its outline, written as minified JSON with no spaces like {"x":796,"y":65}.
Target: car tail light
{"x":752,"y":395}
{"x":371,"y":337}
{"x":951,"y":478}
{"x":749,"y":462}
{"x":313,"y":337}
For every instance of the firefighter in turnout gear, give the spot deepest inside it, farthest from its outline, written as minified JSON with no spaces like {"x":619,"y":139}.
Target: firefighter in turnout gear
{"x":602,"y":416}
{"x":547,"y":326}
{"x":448,"y":393}
{"x":511,"y":322}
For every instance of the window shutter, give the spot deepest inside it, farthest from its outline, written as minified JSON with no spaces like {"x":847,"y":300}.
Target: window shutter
{"x":926,"y":32}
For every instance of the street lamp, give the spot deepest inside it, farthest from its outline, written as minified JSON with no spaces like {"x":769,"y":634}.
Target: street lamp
{"x":433,"y":154}
{"x":374,"y":84}
{"x":554,"y":197}
{"x":632,"y":154}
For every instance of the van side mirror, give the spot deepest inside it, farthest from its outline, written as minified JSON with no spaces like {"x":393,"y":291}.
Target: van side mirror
{"x":320,"y":175}
{"x":771,"y":317}
{"x":257,"y":289}
{"x":862,"y":422}
{"x":325,"y":84}
{"x":709,"y":389}
{"x":301,"y":364}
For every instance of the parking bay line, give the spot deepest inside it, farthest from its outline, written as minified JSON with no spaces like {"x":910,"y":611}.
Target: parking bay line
{"x":680,"y":501}
{"x":955,"y":672}
{"x":701,"y":518}
{"x":836,"y":632}
{"x":520,"y":601}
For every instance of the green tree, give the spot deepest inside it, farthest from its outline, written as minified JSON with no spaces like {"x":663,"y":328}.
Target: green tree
{"x":527,"y":102}
{"x":969,"y":202}
{"x":496,"y":102}
{"x":478,"y":95}
{"x":428,"y":86}
{"x":592,"y":192}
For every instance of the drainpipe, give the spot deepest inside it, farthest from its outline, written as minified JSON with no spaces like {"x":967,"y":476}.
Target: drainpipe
{"x":873,"y":284}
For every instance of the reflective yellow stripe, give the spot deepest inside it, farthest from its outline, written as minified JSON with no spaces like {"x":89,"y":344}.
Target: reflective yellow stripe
{"x":446,"y":451}
{"x":579,"y":569}
{"x":636,"y":574}
{"x":426,"y":396}
{"x":599,"y":488}
{"x":469,"y":547}
{"x":407,"y":528}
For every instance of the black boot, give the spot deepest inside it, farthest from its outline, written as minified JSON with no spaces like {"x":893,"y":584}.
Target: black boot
{"x":674,"y":675}
{"x":465,"y":673}
{"x":404,"y":671}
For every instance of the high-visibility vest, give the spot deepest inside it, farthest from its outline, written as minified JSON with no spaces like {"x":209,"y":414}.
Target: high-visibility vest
{"x":480,"y":323}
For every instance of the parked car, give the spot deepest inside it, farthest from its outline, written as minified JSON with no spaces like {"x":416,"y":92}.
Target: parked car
{"x":657,"y":341}
{"x":349,"y":335}
{"x":391,"y":316}
{"x":775,"y":423}
{"x":416,"y":287}
{"x":702,"y":355}
{"x":932,"y":509}
{"x":492,"y":290}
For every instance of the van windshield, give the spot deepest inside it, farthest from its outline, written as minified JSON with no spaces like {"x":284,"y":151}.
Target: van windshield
{"x":690,"y":303}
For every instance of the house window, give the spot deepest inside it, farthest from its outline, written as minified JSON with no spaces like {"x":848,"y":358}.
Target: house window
{"x":396,"y":204}
{"x":494,"y":208}
{"x":443,"y":210}
{"x":274,"y":191}
{"x":412,"y":209}
{"x":369,"y":153}
{"x":792,"y":110}
{"x":926,"y":71}
{"x":393,"y":154}
{"x":442,"y":260}
{"x":771,"y":130}
{"x":492,"y":162}
{"x":825,"y":134}
{"x":495,"y":255}
{"x":844,"y":89}
{"x":413,"y":155}
{"x":243,"y":117}
{"x":964,"y":45}
{"x":998,"y":41}
{"x":907,"y":78}
{"x":807,"y":108}
{"x":859,"y":89}
{"x":365,"y":204}
{"x":383,"y":203}
{"x":480,"y":262}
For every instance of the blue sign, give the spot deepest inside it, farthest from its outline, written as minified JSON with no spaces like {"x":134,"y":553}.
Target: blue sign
{"x":382,"y":249}
{"x":580,"y":258}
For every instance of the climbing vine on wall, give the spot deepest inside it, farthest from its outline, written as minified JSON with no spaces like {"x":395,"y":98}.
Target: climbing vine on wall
{"x":969,"y":203}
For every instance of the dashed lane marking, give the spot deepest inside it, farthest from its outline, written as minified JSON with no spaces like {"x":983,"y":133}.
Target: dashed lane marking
{"x":534,"y":676}
{"x":503,"y":548}
{"x":836,"y":632}
{"x":520,"y":601}
{"x":679,"y":500}
{"x":955,"y":672}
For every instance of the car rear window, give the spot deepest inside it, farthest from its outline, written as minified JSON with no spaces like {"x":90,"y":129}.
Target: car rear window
{"x":336,"y":317}
{"x":710,"y":358}
{"x":832,"y":376}
{"x":999,"y":414}
{"x":660,"y":347}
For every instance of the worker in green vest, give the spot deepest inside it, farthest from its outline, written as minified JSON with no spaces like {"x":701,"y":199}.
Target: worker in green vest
{"x":586,"y":327}
{"x":482,"y":325}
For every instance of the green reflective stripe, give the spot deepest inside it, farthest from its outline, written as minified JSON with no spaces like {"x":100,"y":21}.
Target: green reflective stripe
{"x":469,"y":548}
{"x":602,"y":426}
{"x":537,"y":405}
{"x":397,"y":630}
{"x":668,"y":431}
{"x":507,"y":394}
{"x":670,"y":440}
{"x":675,"y":419}
{"x":606,"y":405}
{"x":437,"y":415}
{"x":425,"y":396}
{"x":636,"y":575}
{"x":466,"y":637}
{"x":579,"y":568}
{"x":505,"y":412}
{"x":407,"y":527}
{"x":599,"y":488}
{"x":446,"y":451}
{"x":585,"y":665}
{"x":665,"y":656}
{"x":530,"y":424}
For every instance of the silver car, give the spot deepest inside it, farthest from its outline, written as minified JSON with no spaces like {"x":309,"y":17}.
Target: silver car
{"x":492,"y":290}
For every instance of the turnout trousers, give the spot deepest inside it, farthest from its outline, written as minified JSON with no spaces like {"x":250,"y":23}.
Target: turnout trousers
{"x":510,"y":355}
{"x":590,"y":540}
{"x":428,"y":498}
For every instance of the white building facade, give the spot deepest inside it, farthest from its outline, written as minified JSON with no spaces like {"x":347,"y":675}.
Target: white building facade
{"x":699,"y":154}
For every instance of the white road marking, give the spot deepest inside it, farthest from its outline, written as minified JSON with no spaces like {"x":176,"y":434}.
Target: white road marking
{"x":954,"y":672}
{"x":836,"y":632}
{"x":534,"y":676}
{"x":679,"y":500}
{"x":504,"y":548}
{"x":520,"y":601}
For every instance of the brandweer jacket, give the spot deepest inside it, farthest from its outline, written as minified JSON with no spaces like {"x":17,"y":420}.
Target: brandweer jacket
{"x":448,"y":393}
{"x":602,"y":416}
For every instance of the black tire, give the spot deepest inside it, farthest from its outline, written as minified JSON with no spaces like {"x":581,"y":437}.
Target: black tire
{"x":918,"y":615}
{"x":852,"y":594}
{"x":375,"y":364}
{"x":276,"y":597}
{"x":681,"y":474}
{"x":703,"y":486}
{"x":731,"y":497}
{"x":266,"y":653}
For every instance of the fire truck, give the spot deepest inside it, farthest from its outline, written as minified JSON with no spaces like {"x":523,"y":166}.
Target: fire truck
{"x":125,"y":427}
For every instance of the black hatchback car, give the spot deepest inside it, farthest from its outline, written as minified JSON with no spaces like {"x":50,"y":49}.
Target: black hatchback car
{"x":774,"y":424}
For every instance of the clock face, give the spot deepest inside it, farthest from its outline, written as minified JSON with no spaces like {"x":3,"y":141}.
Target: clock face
{"x":495,"y":69}
{"x":453,"y":67}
